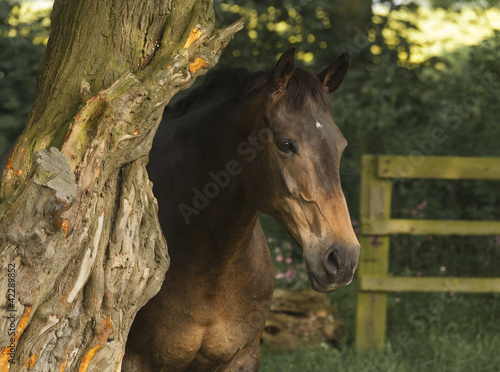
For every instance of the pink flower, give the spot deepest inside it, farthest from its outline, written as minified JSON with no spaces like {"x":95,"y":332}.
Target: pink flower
{"x":279,"y":275}
{"x":422,"y":205}
{"x":288,"y":260}
{"x":442,"y":268}
{"x":290,"y":274}
{"x":277,"y":250}
{"x":497,"y":240}
{"x":279,"y":258}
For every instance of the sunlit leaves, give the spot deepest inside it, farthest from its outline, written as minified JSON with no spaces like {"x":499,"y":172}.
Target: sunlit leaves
{"x":432,"y":32}
{"x":29,"y":20}
{"x":275,"y":27}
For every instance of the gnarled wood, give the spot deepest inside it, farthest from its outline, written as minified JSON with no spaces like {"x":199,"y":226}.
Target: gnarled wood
{"x":78,"y":221}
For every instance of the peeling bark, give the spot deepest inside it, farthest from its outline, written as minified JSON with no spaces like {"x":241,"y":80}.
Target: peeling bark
{"x":78,"y":219}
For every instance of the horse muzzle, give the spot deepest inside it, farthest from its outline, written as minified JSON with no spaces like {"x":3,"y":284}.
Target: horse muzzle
{"x":332,"y":270}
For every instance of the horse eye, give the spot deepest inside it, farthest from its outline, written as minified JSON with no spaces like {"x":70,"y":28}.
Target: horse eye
{"x":285,"y":146}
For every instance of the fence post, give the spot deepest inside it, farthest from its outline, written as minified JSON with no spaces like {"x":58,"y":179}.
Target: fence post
{"x":371,"y":307}
{"x":377,"y":226}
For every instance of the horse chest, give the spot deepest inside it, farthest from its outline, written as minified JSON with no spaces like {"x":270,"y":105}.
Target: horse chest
{"x":209,"y":338}
{"x":221,"y":342}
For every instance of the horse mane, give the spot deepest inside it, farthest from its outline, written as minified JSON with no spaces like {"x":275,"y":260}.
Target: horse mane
{"x":221,"y":82}
{"x":233,"y":84}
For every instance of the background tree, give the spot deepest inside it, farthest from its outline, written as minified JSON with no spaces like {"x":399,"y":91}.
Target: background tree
{"x":77,"y":216}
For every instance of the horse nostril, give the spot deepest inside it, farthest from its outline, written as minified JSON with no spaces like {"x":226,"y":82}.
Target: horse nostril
{"x":332,"y":264}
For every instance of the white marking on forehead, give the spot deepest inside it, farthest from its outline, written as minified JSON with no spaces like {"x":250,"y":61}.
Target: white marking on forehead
{"x":318,"y":124}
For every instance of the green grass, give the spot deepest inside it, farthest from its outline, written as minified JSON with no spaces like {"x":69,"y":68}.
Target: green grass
{"x":426,"y":332}
{"x":431,"y":332}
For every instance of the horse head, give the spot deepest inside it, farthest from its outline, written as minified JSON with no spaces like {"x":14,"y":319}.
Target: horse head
{"x":295,"y":175}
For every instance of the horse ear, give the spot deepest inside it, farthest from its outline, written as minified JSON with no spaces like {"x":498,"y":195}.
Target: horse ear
{"x":332,"y":76}
{"x":283,"y":70}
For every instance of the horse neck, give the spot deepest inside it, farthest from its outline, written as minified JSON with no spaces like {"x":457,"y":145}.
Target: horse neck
{"x":212,"y":169}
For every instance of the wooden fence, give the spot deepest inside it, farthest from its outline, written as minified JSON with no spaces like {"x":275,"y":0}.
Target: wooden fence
{"x":377,"y":226}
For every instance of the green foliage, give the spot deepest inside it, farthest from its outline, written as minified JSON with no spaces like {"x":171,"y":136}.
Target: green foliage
{"x":286,"y":255}
{"x":19,"y":65}
{"x":316,"y":28}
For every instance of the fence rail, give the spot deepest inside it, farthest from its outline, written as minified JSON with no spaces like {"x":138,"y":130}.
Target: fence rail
{"x":429,"y":284}
{"x":377,"y":226}
{"x":440,"y":167}
{"x":431,"y":227}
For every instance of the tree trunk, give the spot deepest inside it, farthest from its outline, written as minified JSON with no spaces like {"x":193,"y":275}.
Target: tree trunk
{"x":80,"y":244}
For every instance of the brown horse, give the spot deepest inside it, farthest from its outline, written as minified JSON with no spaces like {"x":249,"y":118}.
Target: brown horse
{"x":241,"y":143}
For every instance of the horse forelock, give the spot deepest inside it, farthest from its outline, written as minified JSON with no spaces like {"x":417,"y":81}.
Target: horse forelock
{"x":303,"y":89}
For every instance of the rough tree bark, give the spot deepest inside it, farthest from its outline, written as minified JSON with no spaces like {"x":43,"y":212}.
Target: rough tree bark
{"x":80,"y":241}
